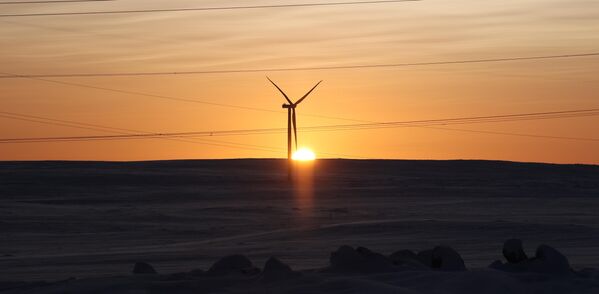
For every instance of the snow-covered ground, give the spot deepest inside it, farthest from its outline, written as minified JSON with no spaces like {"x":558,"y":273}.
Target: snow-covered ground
{"x":94,"y":220}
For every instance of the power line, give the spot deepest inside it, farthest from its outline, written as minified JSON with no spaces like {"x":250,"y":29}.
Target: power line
{"x":277,"y":150}
{"x":101,"y":128}
{"x":50,"y":2}
{"x":43,"y":78}
{"x":282,"y":69}
{"x":322,"y":128}
{"x":60,"y":123}
{"x":515,"y":134}
{"x":468,"y":120}
{"x":175,"y":98}
{"x":205,"y":8}
{"x":87,"y":126}
{"x":413,"y":123}
{"x":122,"y":131}
{"x":128,"y":37}
{"x":268,"y":131}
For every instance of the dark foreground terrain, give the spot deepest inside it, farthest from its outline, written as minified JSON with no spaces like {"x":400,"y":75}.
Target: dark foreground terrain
{"x":96,"y":219}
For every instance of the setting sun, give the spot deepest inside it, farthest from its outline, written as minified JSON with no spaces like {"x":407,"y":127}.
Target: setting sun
{"x":303,"y":154}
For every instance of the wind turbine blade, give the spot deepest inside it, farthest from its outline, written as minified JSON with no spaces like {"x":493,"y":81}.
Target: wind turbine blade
{"x":304,"y":97}
{"x":280,"y":91}
{"x":294,"y":128}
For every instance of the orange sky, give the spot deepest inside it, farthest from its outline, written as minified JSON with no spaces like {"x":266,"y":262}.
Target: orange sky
{"x":430,"y":30}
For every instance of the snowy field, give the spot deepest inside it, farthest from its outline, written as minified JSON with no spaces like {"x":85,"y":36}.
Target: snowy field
{"x":93,"y":220}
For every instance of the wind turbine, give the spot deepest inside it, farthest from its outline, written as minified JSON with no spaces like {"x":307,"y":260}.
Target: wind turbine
{"x":291,"y":120}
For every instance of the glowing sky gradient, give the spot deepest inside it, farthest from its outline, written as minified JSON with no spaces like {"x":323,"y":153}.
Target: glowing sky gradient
{"x":431,"y":30}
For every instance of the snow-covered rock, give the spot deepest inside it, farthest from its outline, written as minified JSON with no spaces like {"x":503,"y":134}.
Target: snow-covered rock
{"x":360,"y":260}
{"x":442,"y":258}
{"x":447,"y":259}
{"x":513,"y":251}
{"x":548,"y":260}
{"x":407,"y":259}
{"x":400,"y":256}
{"x":233,"y":264}
{"x":275,"y":270}
{"x":426,"y":257}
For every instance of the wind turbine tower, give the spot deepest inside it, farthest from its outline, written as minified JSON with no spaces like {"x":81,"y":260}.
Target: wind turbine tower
{"x":291,"y":118}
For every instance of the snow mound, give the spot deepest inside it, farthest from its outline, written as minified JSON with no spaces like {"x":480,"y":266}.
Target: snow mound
{"x":513,"y":251}
{"x":442,"y":258}
{"x":275,"y":270}
{"x":233,"y":264}
{"x":359,"y":260}
{"x":407,"y":259}
{"x":352,"y":271}
{"x":547,"y":260}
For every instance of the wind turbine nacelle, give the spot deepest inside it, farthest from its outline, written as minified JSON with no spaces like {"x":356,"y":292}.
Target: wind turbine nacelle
{"x":288,"y":106}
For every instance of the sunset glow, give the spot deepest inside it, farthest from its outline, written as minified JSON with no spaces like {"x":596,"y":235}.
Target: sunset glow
{"x":303,"y":154}
{"x":422,"y":35}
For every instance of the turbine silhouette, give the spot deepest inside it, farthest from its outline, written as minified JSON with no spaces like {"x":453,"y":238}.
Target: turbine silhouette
{"x":291,"y":118}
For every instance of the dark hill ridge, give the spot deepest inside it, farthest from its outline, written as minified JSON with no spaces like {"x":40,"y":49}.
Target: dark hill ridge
{"x":60,"y":219}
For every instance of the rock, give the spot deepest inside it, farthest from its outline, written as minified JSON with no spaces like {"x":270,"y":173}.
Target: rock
{"x":233,"y":264}
{"x":275,"y":270}
{"x":360,"y":260}
{"x":344,"y":257}
{"x":447,"y":259}
{"x":398,"y":257}
{"x":363,"y":251}
{"x":513,"y":251}
{"x":425,"y":257}
{"x":275,"y":265}
{"x":143,"y":268}
{"x":442,"y":258}
{"x":407,"y":259}
{"x":548,"y":260}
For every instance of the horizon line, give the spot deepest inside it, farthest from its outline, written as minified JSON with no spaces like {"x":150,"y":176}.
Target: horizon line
{"x":285,"y":159}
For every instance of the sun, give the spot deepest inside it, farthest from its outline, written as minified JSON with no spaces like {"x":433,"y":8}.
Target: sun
{"x":303,"y":154}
